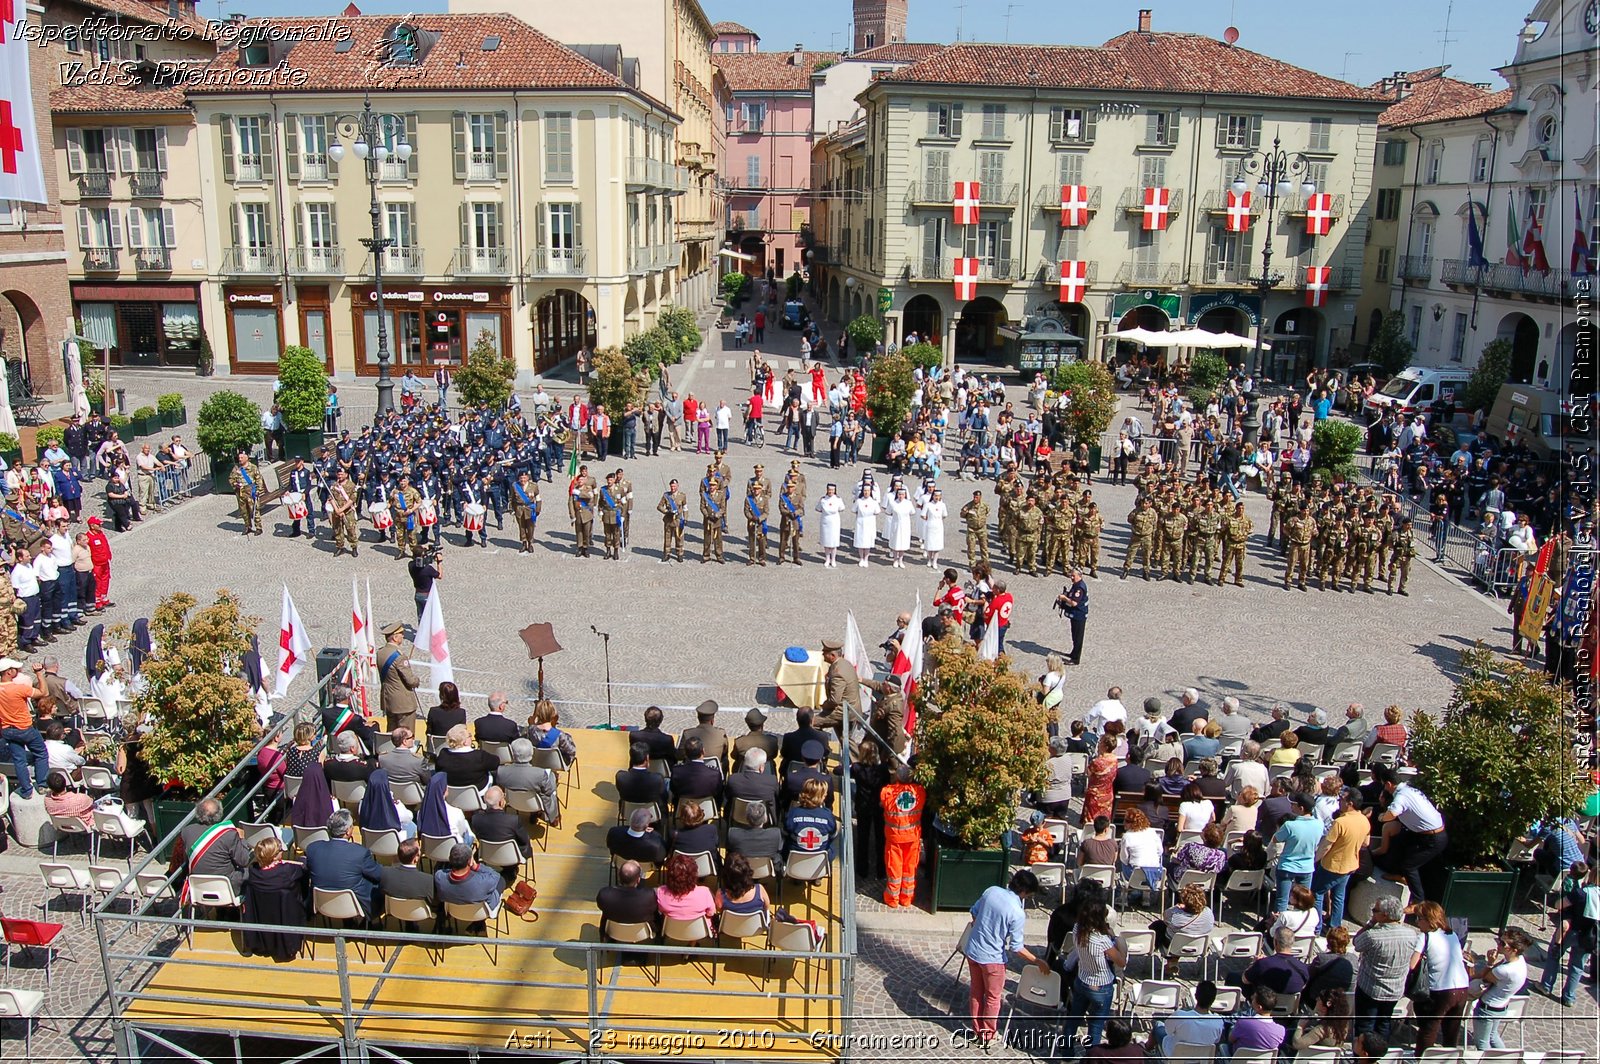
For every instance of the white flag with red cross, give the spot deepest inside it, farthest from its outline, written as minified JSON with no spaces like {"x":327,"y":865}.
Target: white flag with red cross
{"x":1238,"y":211}
{"x":966,"y":275}
{"x":1074,"y":205}
{"x":432,"y":638}
{"x":1319,"y":213}
{"x":966,"y":199}
{"x":1074,"y":278}
{"x":294,"y":643}
{"x":1157,"y":207}
{"x":21,"y":168}
{"x":1317,"y":284}
{"x":907,"y":663}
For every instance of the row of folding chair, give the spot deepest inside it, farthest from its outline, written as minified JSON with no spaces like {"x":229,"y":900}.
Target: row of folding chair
{"x":108,"y":824}
{"x":778,"y":936}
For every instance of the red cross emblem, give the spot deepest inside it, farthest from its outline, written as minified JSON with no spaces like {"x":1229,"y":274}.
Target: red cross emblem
{"x":285,"y":635}
{"x":809,"y":839}
{"x":1319,"y":214}
{"x":966,"y":274}
{"x":10,"y":134}
{"x":1074,"y":205}
{"x":966,"y":199}
{"x":1238,"y":211}
{"x":8,"y":13}
{"x":1316,"y":284}
{"x":1074,"y":274}
{"x":1157,"y":205}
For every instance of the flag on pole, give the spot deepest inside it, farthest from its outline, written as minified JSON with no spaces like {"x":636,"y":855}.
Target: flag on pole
{"x":907,"y":663}
{"x":361,"y":649}
{"x":856,"y":653}
{"x":1533,"y":256}
{"x":431,"y":637}
{"x":1582,"y":264}
{"x":294,"y":646}
{"x":1475,"y":256}
{"x":989,"y":646}
{"x":1513,"y":237}
{"x":21,"y":164}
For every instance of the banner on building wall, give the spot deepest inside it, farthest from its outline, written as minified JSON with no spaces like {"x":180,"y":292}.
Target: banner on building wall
{"x":21,"y":172}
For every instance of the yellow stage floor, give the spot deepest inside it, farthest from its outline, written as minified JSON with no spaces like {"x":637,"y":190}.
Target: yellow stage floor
{"x":533,"y":998}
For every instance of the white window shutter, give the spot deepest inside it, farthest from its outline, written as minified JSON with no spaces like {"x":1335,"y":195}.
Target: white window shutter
{"x":85,"y":229}
{"x":115,"y":217}
{"x":169,"y":229}
{"x":161,"y":149}
{"x":74,"y":151}
{"x":135,"y":229}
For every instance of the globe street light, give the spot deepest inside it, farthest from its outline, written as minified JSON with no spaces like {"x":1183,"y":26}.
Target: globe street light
{"x":1275,"y":171}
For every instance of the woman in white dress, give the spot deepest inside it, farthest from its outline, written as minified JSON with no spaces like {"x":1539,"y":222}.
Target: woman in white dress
{"x":934,"y":512}
{"x":885,"y":507}
{"x":919,"y":500}
{"x":866,"y":532}
{"x":902,"y":508}
{"x":830,"y":506}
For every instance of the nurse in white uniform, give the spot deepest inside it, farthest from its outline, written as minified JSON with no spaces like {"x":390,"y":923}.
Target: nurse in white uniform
{"x":934,"y":512}
{"x":830,"y":506}
{"x":901,"y":507}
{"x":866,"y":532}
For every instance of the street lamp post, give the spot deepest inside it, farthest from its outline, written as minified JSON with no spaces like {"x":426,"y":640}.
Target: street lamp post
{"x":365,"y":132}
{"x":1275,"y":171}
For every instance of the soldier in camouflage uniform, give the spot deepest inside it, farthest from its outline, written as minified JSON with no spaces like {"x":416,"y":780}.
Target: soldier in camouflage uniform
{"x":1335,"y":546}
{"x":975,"y":517}
{"x":1174,"y":526}
{"x":1086,"y":539}
{"x":245,"y":480}
{"x":1142,"y":523}
{"x":1030,"y":523}
{"x":1207,"y":527}
{"x":1060,"y":526}
{"x":1236,"y":529}
{"x":1298,"y":531}
{"x":1402,"y":548}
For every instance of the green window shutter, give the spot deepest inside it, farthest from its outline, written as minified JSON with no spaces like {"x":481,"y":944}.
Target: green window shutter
{"x":161,"y":149}
{"x":331,"y":124}
{"x":267,"y":154}
{"x":1090,"y":114}
{"x":502,"y":146}
{"x":225,"y":139}
{"x":85,"y":230}
{"x":458,"y":144}
{"x":411,"y":139}
{"x":115,"y":217}
{"x":1255,"y":131}
{"x":291,"y":147}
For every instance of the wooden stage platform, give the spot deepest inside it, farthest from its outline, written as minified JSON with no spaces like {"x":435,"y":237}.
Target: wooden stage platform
{"x":487,"y":993}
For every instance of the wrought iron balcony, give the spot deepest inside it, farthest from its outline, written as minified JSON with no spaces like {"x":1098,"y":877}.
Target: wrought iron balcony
{"x":481,"y":262}
{"x":942,"y":268}
{"x":557,"y":262}
{"x":1498,"y":277}
{"x":94,"y":184}
{"x":317,"y":262}
{"x":250,"y":261}
{"x":1135,"y":274}
{"x":403,"y":262}
{"x":146,"y":184}
{"x":1215,"y":201}
{"x":152,"y":260}
{"x":100,"y":260}
{"x":1050,"y":273}
{"x":1226,"y":275}
{"x":1295,"y":204}
{"x":1048,"y":198}
{"x":1132,"y":202}
{"x":1414,"y":268}
{"x":927,"y":194}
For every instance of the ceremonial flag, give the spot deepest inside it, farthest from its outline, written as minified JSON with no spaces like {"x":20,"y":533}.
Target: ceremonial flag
{"x":294,"y":646}
{"x":907,"y":663}
{"x":966,"y":277}
{"x":1317,"y":284}
{"x":966,"y":198}
{"x":989,"y":645}
{"x":1513,"y":238}
{"x":1074,"y":277}
{"x":1238,"y":208}
{"x":1582,"y":263}
{"x":1157,"y":206}
{"x":361,"y":649}
{"x":1533,"y":256}
{"x":1319,"y":213}
{"x":856,"y":653}
{"x":1074,"y":205}
{"x":1536,"y":610}
{"x":431,"y":636}
{"x":21,"y":166}
{"x":1475,"y":256}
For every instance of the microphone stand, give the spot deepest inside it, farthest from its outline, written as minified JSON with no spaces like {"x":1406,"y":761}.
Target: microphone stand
{"x":606,"y":638}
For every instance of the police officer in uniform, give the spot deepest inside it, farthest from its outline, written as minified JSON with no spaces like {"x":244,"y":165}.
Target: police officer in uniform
{"x":671,"y":509}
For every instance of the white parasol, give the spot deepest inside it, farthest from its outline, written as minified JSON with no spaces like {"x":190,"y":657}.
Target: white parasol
{"x":74,"y":370}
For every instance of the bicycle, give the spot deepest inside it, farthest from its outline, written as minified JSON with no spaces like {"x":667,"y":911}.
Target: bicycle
{"x":754,"y":433}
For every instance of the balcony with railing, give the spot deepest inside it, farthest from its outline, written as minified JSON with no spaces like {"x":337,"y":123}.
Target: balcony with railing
{"x":651,"y":257}
{"x":249,"y":261}
{"x":481,"y":166}
{"x":668,"y":256}
{"x":1215,"y":202}
{"x":943,"y":268}
{"x":317,"y":262}
{"x":1226,"y":275}
{"x":1414,"y":267}
{"x":1132,"y":201}
{"x":152,"y":260}
{"x":100,"y":260}
{"x":94,"y":184}
{"x":557,"y":262}
{"x":1048,"y":198}
{"x":1050,"y":273}
{"x":1295,"y":204}
{"x":403,"y":261}
{"x":930,"y":194}
{"x":146,"y":184}
{"x":1135,"y":273}
{"x":481,"y":262}
{"x":643,"y":172}
{"x":1498,"y":277}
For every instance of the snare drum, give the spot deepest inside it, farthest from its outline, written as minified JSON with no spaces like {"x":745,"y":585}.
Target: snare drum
{"x":296,"y":502}
{"x":382,"y":519}
{"x":427,"y":513}
{"x":472,"y":516}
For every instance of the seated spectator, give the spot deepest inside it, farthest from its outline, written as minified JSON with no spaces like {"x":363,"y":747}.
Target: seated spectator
{"x":495,"y":726}
{"x":1335,"y":968}
{"x":274,"y":893}
{"x":1192,"y":915}
{"x":544,"y":728}
{"x":1195,"y":812}
{"x":1275,"y":809}
{"x":1274,"y":727}
{"x":1210,"y":779}
{"x":211,"y":846}
{"x":1243,"y":814}
{"x":1197,"y":1026}
{"x":637,"y":840}
{"x":523,"y":775}
{"x":1391,"y":731}
{"x":1251,"y":856}
{"x":1155,"y":810}
{"x":1314,"y":732}
{"x":1301,"y":917}
{"x":629,"y":902}
{"x":695,"y":834}
{"x":1141,"y":848}
{"x":404,"y":879}
{"x":438,"y":818}
{"x":1235,"y":725}
{"x":340,"y":863}
{"x":663,"y":747}
{"x":681,"y":896}
{"x":810,"y":826}
{"x":694,"y":777}
{"x":62,"y":757}
{"x":810,"y":768}
{"x":1281,"y":971}
{"x":1258,"y":1030}
{"x":1287,"y":753}
{"x":448,"y":713}
{"x":1132,"y":777}
{"x":1056,"y":798}
{"x":760,"y":839}
{"x":466,"y":882}
{"x":1077,"y":739}
{"x":739,"y":891}
{"x":636,"y":783}
{"x":303,"y":752}
{"x":1204,"y":855}
{"x":404,"y":763}
{"x":380,"y":811}
{"x":61,"y":800}
{"x":463,"y":765}
{"x":349,"y":763}
{"x":1205,"y":742}
{"x":1247,"y":770}
{"x":1173,"y":780}
{"x":495,"y":823}
{"x":1330,"y":1023}
{"x":754,"y":783}
{"x":1118,"y":1043}
{"x":1098,"y":845}
{"x":1354,"y":728}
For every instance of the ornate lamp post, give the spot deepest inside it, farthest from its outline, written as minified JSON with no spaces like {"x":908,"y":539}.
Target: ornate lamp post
{"x":1275,"y":171}
{"x":365,"y":131}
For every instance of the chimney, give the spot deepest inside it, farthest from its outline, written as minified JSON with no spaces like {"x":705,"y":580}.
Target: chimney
{"x":1144,"y":20}
{"x":798,"y":58}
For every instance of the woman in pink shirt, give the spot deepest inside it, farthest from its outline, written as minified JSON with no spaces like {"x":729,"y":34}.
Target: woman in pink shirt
{"x":681,"y":896}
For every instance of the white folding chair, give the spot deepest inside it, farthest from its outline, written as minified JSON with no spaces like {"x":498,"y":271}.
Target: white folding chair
{"x":1344,"y":753}
{"x":741,"y":926}
{"x":341,"y":905}
{"x":105,"y":880}
{"x":67,"y":879}
{"x":69,"y":825}
{"x":1187,"y":1052}
{"x":1037,"y":992}
{"x":1250,"y":882}
{"x":550,"y":757}
{"x":304,"y":837}
{"x":1182,"y":948}
{"x":961,"y":948}
{"x":97,"y":779}
{"x":1191,"y":877}
{"x":1324,"y":1055}
{"x":1255,"y":1056}
{"x":499,"y":750}
{"x":436,"y":848}
{"x":291,"y":787}
{"x":1511,"y":1019}
{"x":464,"y":915}
{"x":1052,"y":877}
{"x":805,"y":867}
{"x":1139,"y":881}
{"x":24,"y":1005}
{"x":116,"y":824}
{"x":739,"y":810}
{"x":633,"y":934}
{"x":348,"y":792}
{"x":1230,"y":999}
{"x":762,"y":868}
{"x":704,"y":866}
{"x":255,"y":832}
{"x":784,"y":937}
{"x":384,"y":843}
{"x":1235,"y":946}
{"x":408,"y":794}
{"x":211,"y":892}
{"x":1135,"y":945}
{"x":504,"y":853}
{"x":95,"y":716}
{"x":1383,"y":754}
{"x":1446,"y":1055}
{"x":407,"y":911}
{"x":689,"y":933}
{"x":466,"y":799}
{"x":1105,"y":875}
{"x":1153,"y":997}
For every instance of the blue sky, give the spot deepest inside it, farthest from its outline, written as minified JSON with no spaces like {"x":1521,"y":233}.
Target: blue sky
{"x":1362,"y":40}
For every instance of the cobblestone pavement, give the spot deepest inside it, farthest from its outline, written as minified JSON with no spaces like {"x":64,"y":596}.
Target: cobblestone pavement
{"x":680,"y":633}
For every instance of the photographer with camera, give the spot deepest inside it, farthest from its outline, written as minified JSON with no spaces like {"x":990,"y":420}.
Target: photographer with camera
{"x":426,"y":566}
{"x":1073,"y":602}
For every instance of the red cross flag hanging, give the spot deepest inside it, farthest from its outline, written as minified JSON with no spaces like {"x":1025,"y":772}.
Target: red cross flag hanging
{"x":1238,"y":211}
{"x":1317,"y":284}
{"x":21,"y":173}
{"x":1157,"y":205}
{"x":966,"y":200}
{"x":1074,"y":205}
{"x":966,"y":273}
{"x":1074,"y":277}
{"x":1319,"y":213}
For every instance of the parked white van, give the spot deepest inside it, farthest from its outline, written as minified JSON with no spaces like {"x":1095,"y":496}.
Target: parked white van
{"x":1419,"y":387}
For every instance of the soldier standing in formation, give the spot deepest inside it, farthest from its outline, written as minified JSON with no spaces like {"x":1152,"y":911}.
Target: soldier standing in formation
{"x":525,"y":509}
{"x":1298,"y":531}
{"x":1236,"y":530}
{"x":671,"y":509}
{"x":1142,"y":522}
{"x":1029,"y":524}
{"x":581,"y":501}
{"x":405,"y":502}
{"x":757,"y":496}
{"x":713,"y":515}
{"x":342,"y":514}
{"x":1086,"y":541}
{"x":791,"y":513}
{"x":611,"y":517}
{"x":975,"y":517}
{"x":1169,"y":542}
{"x":1402,"y":548}
{"x":245,"y":480}
{"x":1206,"y":528}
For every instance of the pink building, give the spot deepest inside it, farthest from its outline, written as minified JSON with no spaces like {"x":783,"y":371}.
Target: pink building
{"x":767,"y":165}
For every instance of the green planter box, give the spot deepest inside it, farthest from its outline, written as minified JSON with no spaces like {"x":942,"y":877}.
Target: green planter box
{"x":171,"y":419}
{"x":221,"y":469}
{"x":302,"y":443}
{"x":97,"y":406}
{"x":145,"y":426}
{"x":1484,"y":898}
{"x":11,"y":457}
{"x":880,"y":448}
{"x":171,"y":811}
{"x":960,"y":876}
{"x":1094,"y":458}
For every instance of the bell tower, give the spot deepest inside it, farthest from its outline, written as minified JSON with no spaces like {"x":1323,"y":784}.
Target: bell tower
{"x":879,"y":22}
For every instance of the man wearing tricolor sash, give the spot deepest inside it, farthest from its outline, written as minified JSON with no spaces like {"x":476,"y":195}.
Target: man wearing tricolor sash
{"x":671,"y":509}
{"x":246,"y":483}
{"x":397,"y":684}
{"x":211,"y":846}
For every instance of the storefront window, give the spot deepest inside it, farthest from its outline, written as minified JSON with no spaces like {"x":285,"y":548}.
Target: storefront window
{"x":255,"y":335}
{"x":181,"y":324}
{"x":478,"y":324}
{"x":99,"y":322}
{"x":316,"y":332}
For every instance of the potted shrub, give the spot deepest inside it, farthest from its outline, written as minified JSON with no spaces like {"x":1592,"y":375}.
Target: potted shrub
{"x":123,"y":424}
{"x":485,"y":378}
{"x":227,"y":424}
{"x":48,"y":436}
{"x":679,"y":323}
{"x":1333,"y":448}
{"x":1091,"y":403}
{"x":649,"y":350}
{"x":10,"y":449}
{"x":923,"y":356}
{"x":614,"y":383}
{"x":890,"y":386}
{"x":145,"y":421}
{"x":203,"y":716}
{"x":980,"y":739}
{"x":302,"y":398}
{"x":171,"y":410}
{"x":1496,"y":760}
{"x":205,"y":362}
{"x":94,"y":389}
{"x":865,"y":333}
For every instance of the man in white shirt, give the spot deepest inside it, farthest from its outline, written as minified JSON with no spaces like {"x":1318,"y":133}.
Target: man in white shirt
{"x":1198,"y":1026}
{"x":25,"y":583}
{"x":1413,"y":832}
{"x":1235,"y":725}
{"x":1105,"y":711}
{"x":722,"y":421}
{"x":1246,"y":770}
{"x":48,"y":575}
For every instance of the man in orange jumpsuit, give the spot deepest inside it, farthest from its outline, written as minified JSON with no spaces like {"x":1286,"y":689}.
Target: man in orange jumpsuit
{"x":902,"y":803}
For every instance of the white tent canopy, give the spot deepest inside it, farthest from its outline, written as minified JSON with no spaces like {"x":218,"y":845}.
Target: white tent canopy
{"x":1186,"y":338}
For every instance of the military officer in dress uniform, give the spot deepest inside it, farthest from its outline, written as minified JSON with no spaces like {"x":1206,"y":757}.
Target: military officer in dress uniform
{"x":625,"y":500}
{"x":611,"y":517}
{"x":757,"y":495}
{"x":525,"y":509}
{"x":671,"y":509}
{"x":713,"y":516}
{"x":791,"y":514}
{"x":404,"y":501}
{"x":245,"y":480}
{"x":581,"y":499}
{"x":397,"y":684}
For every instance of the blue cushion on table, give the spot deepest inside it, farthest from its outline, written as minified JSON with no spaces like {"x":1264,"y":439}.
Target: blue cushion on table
{"x":799,"y":655}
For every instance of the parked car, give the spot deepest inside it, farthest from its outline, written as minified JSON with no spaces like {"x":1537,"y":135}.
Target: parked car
{"x":795,"y":315}
{"x":1359,"y":371}
{"x":1418,"y":388}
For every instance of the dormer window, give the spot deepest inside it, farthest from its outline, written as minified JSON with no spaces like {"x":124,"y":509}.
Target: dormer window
{"x":402,"y":46}
{"x":255,"y":55}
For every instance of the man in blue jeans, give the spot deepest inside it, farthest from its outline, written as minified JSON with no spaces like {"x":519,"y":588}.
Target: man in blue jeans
{"x":1299,"y":836}
{"x":22,"y":739}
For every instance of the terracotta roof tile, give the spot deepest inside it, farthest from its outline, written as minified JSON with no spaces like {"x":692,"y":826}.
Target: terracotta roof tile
{"x":98,"y":99}
{"x":898,"y":52}
{"x":1436,"y":98}
{"x":524,"y":59}
{"x":1150,"y":62}
{"x":772,"y":71}
{"x":720,"y":28}
{"x":150,"y":12}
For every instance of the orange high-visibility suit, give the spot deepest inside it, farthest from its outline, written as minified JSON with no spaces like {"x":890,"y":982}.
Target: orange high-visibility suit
{"x":902,"y":840}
